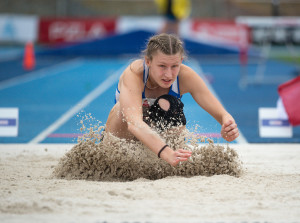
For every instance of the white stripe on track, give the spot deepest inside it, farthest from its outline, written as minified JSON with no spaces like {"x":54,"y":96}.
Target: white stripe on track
{"x":47,"y":71}
{"x":80,"y":105}
{"x":241,"y":139}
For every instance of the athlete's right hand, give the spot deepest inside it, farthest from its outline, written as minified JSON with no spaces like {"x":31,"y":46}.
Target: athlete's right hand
{"x":174,"y":157}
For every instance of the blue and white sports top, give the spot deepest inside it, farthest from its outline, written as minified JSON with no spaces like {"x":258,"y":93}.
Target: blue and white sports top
{"x":174,"y":89}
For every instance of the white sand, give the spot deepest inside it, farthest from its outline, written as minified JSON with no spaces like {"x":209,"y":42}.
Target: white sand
{"x":269,"y":190}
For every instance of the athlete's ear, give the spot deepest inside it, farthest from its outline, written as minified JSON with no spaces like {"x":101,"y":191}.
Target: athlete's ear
{"x":147,"y":60}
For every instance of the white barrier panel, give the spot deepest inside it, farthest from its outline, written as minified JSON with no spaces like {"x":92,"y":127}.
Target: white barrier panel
{"x":18,"y":28}
{"x":271,"y":126}
{"x":9,"y":122}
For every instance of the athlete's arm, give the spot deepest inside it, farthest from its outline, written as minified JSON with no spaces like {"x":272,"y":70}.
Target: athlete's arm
{"x":131,"y":89}
{"x":191,"y":82}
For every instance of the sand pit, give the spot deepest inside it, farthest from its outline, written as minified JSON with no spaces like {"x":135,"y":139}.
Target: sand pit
{"x":267,"y":190}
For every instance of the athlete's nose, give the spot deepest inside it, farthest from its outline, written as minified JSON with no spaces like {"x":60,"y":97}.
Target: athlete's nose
{"x":168,"y":72}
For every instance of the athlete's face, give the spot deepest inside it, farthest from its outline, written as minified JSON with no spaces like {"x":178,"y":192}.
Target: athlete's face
{"x":164,"y":69}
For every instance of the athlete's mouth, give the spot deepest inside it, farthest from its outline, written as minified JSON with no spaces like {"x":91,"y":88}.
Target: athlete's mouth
{"x":166,"y":81}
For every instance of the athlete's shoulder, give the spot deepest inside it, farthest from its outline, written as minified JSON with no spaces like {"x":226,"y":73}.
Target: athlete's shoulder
{"x":137,"y":66}
{"x":133,"y":74}
{"x":186,"y":71}
{"x":187,"y":77}
{"x":185,"y":68}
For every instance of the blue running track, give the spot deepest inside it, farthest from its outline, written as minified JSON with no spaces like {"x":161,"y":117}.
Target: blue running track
{"x":54,"y":97}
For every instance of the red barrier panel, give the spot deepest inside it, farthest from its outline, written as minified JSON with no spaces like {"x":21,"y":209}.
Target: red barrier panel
{"x":69,"y":30}
{"x":222,"y":31}
{"x":290,"y":95}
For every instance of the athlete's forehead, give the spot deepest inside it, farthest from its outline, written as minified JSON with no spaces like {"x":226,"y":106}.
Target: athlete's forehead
{"x":161,"y":58}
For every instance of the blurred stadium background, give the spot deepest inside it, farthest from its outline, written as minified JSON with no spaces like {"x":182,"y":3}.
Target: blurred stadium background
{"x":228,"y":9}
{"x":244,"y":49}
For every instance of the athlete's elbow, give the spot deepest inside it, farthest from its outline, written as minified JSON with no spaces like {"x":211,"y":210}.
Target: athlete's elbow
{"x":134,"y":127}
{"x":130,"y":127}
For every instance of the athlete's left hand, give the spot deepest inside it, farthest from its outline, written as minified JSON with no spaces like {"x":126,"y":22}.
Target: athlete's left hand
{"x":229,"y":129}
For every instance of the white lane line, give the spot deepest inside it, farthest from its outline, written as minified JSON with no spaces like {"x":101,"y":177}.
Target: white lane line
{"x":241,"y":139}
{"x":47,"y":71}
{"x":80,"y":105}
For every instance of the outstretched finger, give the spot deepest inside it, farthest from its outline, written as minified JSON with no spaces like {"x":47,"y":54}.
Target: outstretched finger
{"x":227,"y":123}
{"x":184,"y":154}
{"x":182,"y":158}
{"x":178,"y":160}
{"x":184,"y":151}
{"x":230,"y":127}
{"x":232,"y":132}
{"x":230,"y":138}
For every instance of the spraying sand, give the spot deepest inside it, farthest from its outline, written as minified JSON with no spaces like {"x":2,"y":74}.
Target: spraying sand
{"x":118,"y":159}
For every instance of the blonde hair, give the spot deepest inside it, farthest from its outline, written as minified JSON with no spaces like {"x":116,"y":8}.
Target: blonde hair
{"x":168,"y":44}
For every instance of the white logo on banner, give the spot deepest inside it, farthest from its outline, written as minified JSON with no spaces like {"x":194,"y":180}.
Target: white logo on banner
{"x":75,"y":31}
{"x":8,"y":31}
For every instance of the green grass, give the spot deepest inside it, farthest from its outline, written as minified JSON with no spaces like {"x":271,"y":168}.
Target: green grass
{"x":289,"y":59}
